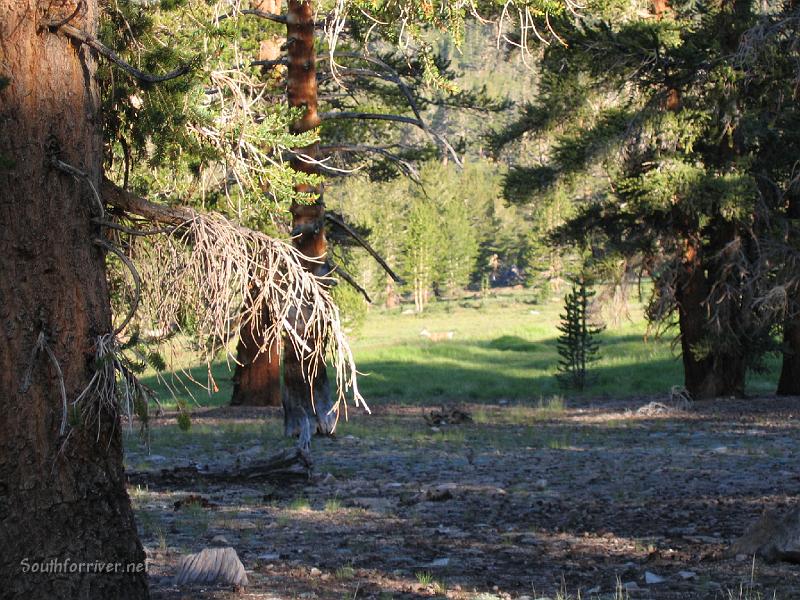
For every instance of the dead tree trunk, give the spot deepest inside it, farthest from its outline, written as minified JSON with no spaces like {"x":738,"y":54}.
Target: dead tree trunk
{"x":257,"y":378}
{"x":306,"y":400}
{"x":61,"y":496}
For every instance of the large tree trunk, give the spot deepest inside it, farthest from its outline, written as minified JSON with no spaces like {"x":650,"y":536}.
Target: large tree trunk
{"x":257,"y":378}
{"x":62,"y":497}
{"x":713,"y":375}
{"x":306,"y":401}
{"x":789,"y":382}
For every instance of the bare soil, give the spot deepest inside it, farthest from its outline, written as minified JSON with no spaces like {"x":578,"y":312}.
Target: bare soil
{"x":519,"y":503}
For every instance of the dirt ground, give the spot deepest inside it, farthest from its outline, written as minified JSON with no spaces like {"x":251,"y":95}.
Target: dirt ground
{"x":589,"y":500}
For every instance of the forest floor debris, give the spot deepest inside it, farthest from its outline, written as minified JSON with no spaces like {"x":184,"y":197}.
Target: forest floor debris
{"x":592,"y":497}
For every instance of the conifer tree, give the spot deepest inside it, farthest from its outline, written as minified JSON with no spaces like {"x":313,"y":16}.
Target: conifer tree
{"x":577,"y":345}
{"x":666,"y":135}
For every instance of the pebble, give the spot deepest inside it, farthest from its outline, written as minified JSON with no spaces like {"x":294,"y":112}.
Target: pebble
{"x":315,"y":572}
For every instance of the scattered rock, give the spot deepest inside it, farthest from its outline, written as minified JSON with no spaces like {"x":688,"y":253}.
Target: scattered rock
{"x":631,"y":586}
{"x":652,"y":578}
{"x":315,"y":572}
{"x":212,"y":565}
{"x":267,"y":556}
{"x":220,"y":540}
{"x":438,"y":563}
{"x":687,"y":574}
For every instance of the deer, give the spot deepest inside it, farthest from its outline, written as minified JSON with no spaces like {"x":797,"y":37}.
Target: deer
{"x":437,"y":336}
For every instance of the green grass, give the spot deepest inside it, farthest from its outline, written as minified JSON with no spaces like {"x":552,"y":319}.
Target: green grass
{"x":504,"y":347}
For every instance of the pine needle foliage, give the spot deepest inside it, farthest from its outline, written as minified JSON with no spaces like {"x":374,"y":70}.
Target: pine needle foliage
{"x":577,"y":345}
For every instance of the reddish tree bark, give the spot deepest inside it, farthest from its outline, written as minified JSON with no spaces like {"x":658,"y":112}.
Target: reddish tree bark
{"x":61,"y":497}
{"x":257,"y":379}
{"x":306,"y":401}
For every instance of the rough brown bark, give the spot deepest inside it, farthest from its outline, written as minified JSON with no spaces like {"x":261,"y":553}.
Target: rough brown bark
{"x":714,"y":375}
{"x":257,"y":380}
{"x":61,"y":497}
{"x":306,"y":403}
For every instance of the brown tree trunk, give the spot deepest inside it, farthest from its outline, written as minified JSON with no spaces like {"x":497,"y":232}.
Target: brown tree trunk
{"x":713,"y":375}
{"x":789,"y":382}
{"x":62,"y":497}
{"x":257,"y":378}
{"x":306,"y":403}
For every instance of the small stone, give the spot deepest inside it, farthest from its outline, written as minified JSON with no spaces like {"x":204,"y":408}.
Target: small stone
{"x":595,"y":590}
{"x":254,"y":451}
{"x":439,"y":562}
{"x":315,"y":572}
{"x":541,"y":484}
{"x":687,"y":574}
{"x":652,"y":578}
{"x":268,"y":556}
{"x":741,"y":557}
{"x":631,"y":586}
{"x":220,"y":540}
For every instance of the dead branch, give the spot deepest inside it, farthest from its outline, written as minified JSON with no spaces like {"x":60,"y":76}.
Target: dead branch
{"x":269,"y":64}
{"x":404,"y":166}
{"x":336,"y":269}
{"x":42,"y":345}
{"x":331,"y":116}
{"x":208,"y":264}
{"x":136,"y":280}
{"x":364,"y":244}
{"x":78,"y":174}
{"x":86,"y":38}
{"x":290,"y":465}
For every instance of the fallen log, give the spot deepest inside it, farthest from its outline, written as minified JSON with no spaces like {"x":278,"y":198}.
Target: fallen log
{"x":287,"y":466}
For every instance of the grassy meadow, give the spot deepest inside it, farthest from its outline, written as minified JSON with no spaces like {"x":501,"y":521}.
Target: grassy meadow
{"x":503,"y":348}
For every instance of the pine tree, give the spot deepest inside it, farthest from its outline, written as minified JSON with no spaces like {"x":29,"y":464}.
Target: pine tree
{"x":677,"y":148}
{"x":577,"y":344}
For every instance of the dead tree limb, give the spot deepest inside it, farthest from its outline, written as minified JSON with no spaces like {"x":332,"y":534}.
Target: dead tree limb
{"x":337,"y":270}
{"x":286,"y":466}
{"x":364,"y":244}
{"x":86,"y":38}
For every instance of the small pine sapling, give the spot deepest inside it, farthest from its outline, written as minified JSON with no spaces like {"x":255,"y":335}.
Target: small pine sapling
{"x":577,"y":345}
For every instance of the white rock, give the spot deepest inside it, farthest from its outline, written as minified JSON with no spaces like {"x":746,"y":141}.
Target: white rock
{"x":439,"y":562}
{"x":652,"y":578}
{"x":630,"y":586}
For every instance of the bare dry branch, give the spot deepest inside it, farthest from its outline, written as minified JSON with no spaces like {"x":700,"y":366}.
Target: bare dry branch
{"x":209,"y":264}
{"x":86,"y":38}
{"x":349,"y":279}
{"x":364,"y":244}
